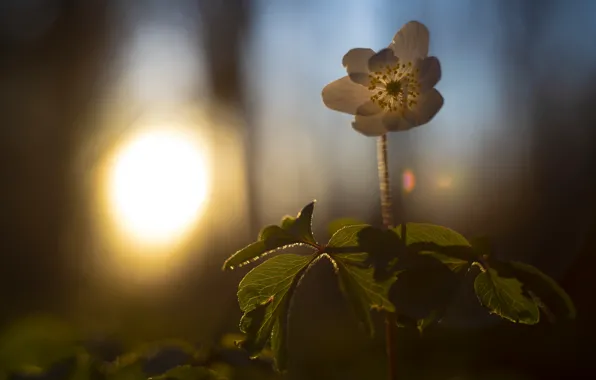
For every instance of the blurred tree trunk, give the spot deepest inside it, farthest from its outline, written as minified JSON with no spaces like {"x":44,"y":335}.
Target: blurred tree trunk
{"x":559,"y":236}
{"x":560,"y":141}
{"x":226,"y":35}
{"x":47,"y":83}
{"x":226,"y":27}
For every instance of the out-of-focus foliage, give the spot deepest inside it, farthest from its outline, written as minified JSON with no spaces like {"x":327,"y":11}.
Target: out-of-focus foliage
{"x":188,"y":373}
{"x":46,"y":348}
{"x":32,"y":345}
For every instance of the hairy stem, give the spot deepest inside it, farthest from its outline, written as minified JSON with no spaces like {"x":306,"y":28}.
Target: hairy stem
{"x":386,"y":200}
{"x":388,"y":222}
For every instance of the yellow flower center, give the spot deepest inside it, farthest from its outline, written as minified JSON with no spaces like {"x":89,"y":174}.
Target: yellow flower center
{"x":395,"y":88}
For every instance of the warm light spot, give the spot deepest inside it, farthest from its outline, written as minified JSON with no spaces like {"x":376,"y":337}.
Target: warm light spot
{"x":157,"y":186}
{"x":408,"y":180}
{"x":445,"y":182}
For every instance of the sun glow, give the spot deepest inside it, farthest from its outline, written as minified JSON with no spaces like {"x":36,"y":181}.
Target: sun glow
{"x":157,"y":186}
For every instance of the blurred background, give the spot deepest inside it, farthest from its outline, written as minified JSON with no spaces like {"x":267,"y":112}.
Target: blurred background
{"x":144,"y":142}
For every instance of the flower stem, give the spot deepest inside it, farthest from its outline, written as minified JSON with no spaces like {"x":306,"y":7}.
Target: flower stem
{"x":388,"y":222}
{"x":386,"y":200}
{"x":390,"y":323}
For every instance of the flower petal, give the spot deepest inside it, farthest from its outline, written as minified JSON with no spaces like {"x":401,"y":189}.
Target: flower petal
{"x":356,"y":63}
{"x":368,"y":109}
{"x":383,"y":58}
{"x":371,"y":126}
{"x":429,"y":103}
{"x":411,"y":42}
{"x":343,"y":95}
{"x":395,"y":121}
{"x":430,"y":73}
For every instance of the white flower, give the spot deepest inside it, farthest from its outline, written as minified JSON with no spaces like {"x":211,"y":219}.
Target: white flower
{"x":391,"y":90}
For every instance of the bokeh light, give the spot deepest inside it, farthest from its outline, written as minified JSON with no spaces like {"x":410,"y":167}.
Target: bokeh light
{"x":157,"y":186}
{"x":408,"y":181}
{"x":445,"y":182}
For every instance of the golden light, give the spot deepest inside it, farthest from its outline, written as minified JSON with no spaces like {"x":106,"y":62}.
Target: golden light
{"x":157,"y":186}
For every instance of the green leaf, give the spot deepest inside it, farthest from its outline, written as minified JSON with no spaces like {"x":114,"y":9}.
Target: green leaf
{"x":363,"y":292}
{"x":264,"y":295}
{"x":338,"y":224}
{"x":187,"y":372}
{"x":301,"y":226}
{"x":424,"y":323}
{"x":456,"y":265}
{"x":346,"y":236}
{"x":426,"y":286}
{"x":555,"y":301}
{"x":504,"y":297}
{"x":293,"y":232}
{"x":384,"y":248}
{"x":441,"y":243}
{"x":252,"y":323}
{"x":34,"y":344}
{"x":356,"y":277}
{"x":431,"y":233}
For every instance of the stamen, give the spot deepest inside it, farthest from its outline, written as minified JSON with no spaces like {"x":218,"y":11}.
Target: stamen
{"x":395,"y":88}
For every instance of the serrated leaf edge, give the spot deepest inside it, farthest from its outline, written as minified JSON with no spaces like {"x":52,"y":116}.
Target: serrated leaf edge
{"x":492,"y":284}
{"x":281,"y":248}
{"x":289,"y":294}
{"x":262,"y":255}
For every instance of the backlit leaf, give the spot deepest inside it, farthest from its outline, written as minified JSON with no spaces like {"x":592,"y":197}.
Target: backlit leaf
{"x":264,"y":295}
{"x":301,"y":226}
{"x":554,"y":298}
{"x":504,"y":297}
{"x":425,"y":287}
{"x":384,"y":249}
{"x":363,"y":291}
{"x":293,"y":232}
{"x":441,"y":243}
{"x":356,"y":277}
{"x":338,"y":224}
{"x":431,"y":233}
